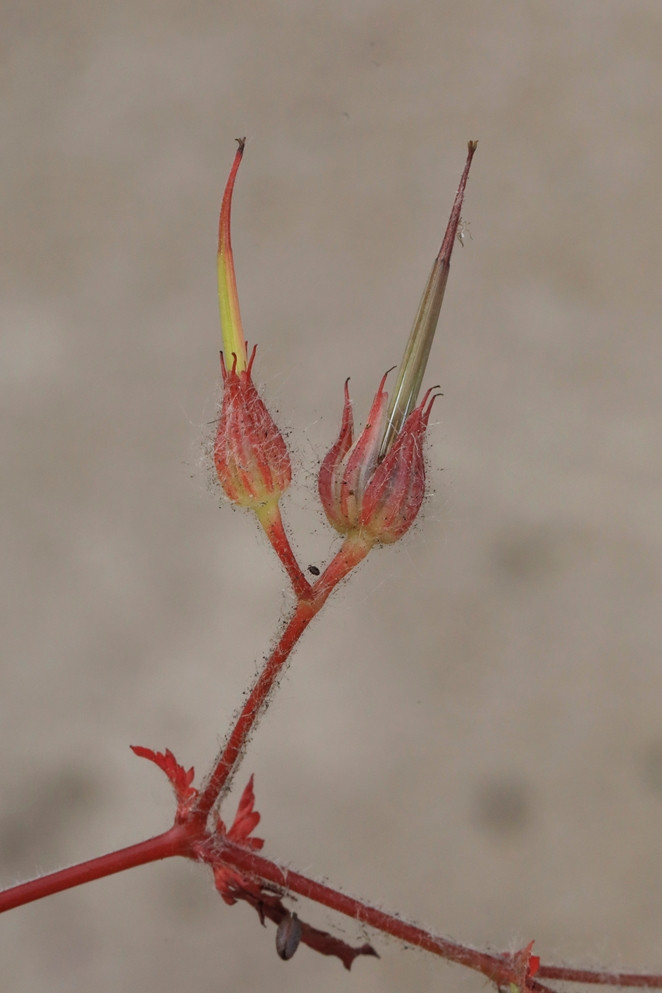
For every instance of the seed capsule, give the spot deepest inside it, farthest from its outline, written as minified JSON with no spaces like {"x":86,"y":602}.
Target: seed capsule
{"x":250,"y":455}
{"x":288,"y":936}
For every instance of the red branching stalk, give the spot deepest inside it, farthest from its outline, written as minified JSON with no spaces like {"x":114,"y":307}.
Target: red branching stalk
{"x":270,"y":518}
{"x":261,"y":868}
{"x":175,"y":841}
{"x":190,"y":827}
{"x":353,"y":550}
{"x":502,"y":969}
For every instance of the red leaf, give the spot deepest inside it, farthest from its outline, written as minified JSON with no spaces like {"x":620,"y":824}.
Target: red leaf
{"x":246,"y":820}
{"x":231,"y":884}
{"x":179,"y":777}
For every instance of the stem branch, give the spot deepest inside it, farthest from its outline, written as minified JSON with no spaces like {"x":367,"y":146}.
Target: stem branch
{"x":603,"y":978}
{"x":175,"y":841}
{"x":353,"y":550}
{"x":495,"y":967}
{"x":499,"y":968}
{"x":270,"y":518}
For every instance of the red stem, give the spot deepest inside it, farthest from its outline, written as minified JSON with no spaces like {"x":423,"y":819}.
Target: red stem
{"x":272,"y":522}
{"x":219,"y":781}
{"x":180,"y":840}
{"x":495,"y":967}
{"x":651,"y":980}
{"x":353,"y":549}
{"x":501,"y":969}
{"x":176,"y":841}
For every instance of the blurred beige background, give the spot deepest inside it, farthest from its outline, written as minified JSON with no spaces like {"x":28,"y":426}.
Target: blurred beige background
{"x":471,"y":734}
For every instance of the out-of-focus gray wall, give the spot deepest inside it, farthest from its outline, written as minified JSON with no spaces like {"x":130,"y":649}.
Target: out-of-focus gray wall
{"x":472,"y":733}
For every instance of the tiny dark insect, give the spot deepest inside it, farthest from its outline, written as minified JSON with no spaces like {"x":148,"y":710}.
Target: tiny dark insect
{"x":313,"y":570}
{"x":288,"y":936}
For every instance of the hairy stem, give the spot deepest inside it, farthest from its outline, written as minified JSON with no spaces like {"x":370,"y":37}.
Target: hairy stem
{"x":185,"y":840}
{"x":601,"y":977}
{"x":353,"y":550}
{"x":496,"y":967}
{"x":176,"y":841}
{"x":272,"y":522}
{"x":499,"y":968}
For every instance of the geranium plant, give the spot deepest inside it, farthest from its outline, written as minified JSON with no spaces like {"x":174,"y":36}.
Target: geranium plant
{"x":371,"y":488}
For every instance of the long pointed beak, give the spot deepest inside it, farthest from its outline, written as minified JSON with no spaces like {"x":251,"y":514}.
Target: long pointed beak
{"x":417,"y":351}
